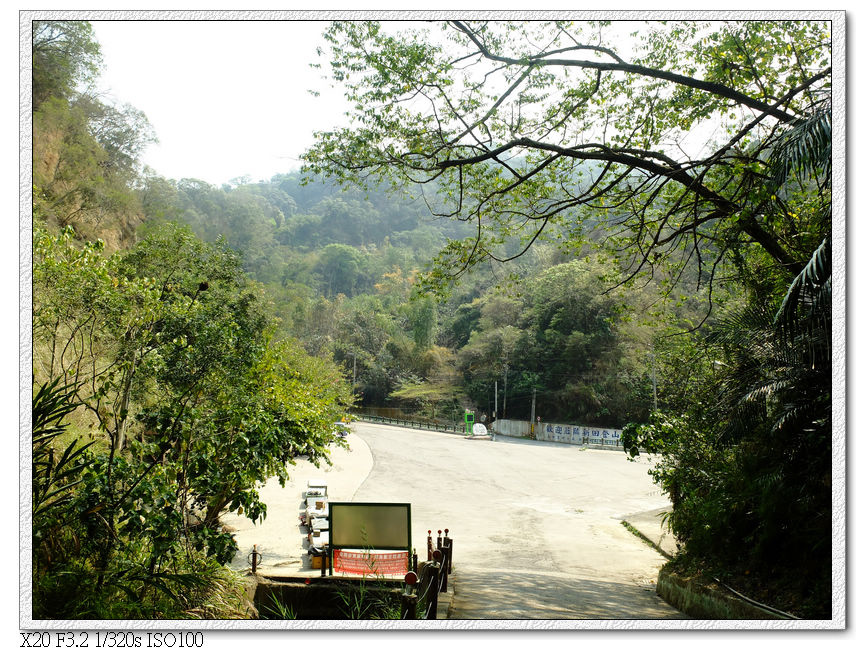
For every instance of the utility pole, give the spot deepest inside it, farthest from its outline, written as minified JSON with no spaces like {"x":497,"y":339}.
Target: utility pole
{"x":496,"y":410}
{"x":534,"y":393}
{"x":505,"y":403}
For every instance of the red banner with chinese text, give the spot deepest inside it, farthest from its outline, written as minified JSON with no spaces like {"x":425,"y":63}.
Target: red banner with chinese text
{"x":363,"y":563}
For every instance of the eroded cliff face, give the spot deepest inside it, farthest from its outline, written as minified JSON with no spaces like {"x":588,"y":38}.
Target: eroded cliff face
{"x":73,"y":186}
{"x":117,"y":231}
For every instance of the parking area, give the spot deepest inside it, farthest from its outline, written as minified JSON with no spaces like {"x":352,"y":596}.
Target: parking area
{"x":536,"y":525}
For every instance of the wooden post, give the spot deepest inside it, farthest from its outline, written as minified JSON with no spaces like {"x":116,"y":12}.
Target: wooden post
{"x":408,"y":607}
{"x":254,"y":557}
{"x":439,"y":540}
{"x":435,"y":587}
{"x":429,"y":547}
{"x":433,"y":609}
{"x":449,"y":543}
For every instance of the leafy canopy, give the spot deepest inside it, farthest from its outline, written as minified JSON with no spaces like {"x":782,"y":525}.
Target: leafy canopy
{"x":656,"y":143}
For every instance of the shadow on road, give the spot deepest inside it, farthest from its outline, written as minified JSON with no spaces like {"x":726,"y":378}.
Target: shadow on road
{"x":516,"y":594}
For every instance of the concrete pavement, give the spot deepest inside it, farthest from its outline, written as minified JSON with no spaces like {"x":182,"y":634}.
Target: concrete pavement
{"x":536,"y":525}
{"x":280,"y":538}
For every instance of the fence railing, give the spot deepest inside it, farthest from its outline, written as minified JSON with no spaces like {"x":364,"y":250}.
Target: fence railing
{"x":411,"y":423}
{"x":423,"y":585}
{"x":509,"y":428}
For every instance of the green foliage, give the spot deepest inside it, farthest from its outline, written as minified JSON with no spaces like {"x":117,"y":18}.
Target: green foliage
{"x":65,"y":55}
{"x":85,"y":152}
{"x":192,"y":405}
{"x":566,"y":340}
{"x":278,"y":610}
{"x":340,"y":268}
{"x":53,"y":477}
{"x":550,"y":127}
{"x":750,"y":474}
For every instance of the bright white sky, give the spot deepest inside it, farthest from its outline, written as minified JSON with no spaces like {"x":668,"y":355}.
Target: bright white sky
{"x":226,"y":98}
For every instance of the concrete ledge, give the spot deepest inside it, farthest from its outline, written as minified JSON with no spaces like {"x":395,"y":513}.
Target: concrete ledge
{"x":707,"y":601}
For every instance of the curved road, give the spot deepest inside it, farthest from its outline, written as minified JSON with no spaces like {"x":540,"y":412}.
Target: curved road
{"x":536,"y":525}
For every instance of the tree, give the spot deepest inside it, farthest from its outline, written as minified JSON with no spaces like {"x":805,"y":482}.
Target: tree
{"x":191,"y":402}
{"x":65,"y":54}
{"x":423,"y":318}
{"x":85,"y":152}
{"x":749,"y":472}
{"x":535,"y":128}
{"x":341,"y":269}
{"x":441,"y":387}
{"x":124,"y":133}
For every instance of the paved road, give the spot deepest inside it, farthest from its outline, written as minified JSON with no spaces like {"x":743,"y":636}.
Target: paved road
{"x":536,"y":526}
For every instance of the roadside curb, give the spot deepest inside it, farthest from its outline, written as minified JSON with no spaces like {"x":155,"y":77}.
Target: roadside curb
{"x":702,"y":600}
{"x":649,"y":527}
{"x":691,"y":595}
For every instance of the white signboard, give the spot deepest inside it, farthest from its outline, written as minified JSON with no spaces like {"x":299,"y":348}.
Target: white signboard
{"x":479,"y":430}
{"x":370,"y":525}
{"x":580,"y":435}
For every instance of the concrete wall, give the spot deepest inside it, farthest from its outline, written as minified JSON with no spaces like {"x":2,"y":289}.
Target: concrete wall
{"x":557,"y":432}
{"x":515,"y":428}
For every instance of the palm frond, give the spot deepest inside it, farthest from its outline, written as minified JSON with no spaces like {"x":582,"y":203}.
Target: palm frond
{"x":805,"y":313}
{"x":806,"y":148}
{"x":53,"y":478}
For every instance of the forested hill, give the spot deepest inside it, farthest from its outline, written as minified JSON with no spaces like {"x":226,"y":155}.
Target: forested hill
{"x":340,"y":268}
{"x":283,"y":227}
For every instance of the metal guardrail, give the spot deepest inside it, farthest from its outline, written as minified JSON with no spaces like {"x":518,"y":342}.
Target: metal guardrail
{"x":459,"y":429}
{"x":413,"y":424}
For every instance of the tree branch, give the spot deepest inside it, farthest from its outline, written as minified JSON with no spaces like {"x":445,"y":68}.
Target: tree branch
{"x":708,"y":86}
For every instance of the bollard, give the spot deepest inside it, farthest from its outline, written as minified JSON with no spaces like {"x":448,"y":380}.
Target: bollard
{"x":434,"y":593}
{"x":439,"y":540}
{"x":445,"y":568}
{"x":449,"y":543}
{"x":408,"y":598}
{"x":429,"y":548}
{"x":408,"y":607}
{"x":255,"y":555}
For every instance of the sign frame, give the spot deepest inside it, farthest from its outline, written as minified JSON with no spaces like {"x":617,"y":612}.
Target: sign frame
{"x":349,"y":504}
